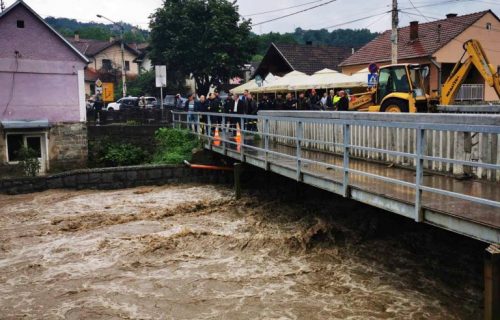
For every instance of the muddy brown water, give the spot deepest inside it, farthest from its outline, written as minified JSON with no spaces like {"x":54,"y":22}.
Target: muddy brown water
{"x":193,"y":252}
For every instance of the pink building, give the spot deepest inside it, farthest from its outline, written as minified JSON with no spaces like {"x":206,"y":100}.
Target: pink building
{"x":42,"y":92}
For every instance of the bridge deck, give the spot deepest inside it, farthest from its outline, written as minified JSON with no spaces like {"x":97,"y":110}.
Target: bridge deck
{"x":464,"y":210}
{"x":468,"y":207}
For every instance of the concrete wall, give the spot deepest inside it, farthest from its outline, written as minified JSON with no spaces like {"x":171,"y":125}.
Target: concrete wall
{"x":141,"y":136}
{"x":475,"y":147}
{"x":68,"y":146}
{"x":114,"y":178}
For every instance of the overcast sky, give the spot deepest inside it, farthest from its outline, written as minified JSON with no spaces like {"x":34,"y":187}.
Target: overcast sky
{"x":336,"y":14}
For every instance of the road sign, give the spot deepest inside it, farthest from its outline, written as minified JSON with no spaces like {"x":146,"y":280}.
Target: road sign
{"x":98,"y":83}
{"x":161,"y":76}
{"x":258,"y":80}
{"x":98,"y":90}
{"x":372,"y":79}
{"x":108,"y":92}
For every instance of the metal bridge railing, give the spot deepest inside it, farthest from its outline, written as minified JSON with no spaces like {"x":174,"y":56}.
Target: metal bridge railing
{"x":203,"y":124}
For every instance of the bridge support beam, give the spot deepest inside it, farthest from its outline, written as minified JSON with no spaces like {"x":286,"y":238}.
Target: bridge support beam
{"x":492,"y":283}
{"x":238,"y":168}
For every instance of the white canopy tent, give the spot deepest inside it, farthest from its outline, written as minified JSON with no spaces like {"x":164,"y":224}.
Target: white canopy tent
{"x":252,"y":86}
{"x":361,"y":76}
{"x":282,"y":84}
{"x":323,"y":79}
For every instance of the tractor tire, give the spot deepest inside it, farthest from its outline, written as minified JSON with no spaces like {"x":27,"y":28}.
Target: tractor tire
{"x":394,"y":105}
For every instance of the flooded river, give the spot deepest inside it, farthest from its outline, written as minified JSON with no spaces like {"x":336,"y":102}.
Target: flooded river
{"x":193,"y":252}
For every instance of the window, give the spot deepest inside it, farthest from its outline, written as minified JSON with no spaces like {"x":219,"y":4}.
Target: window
{"x":106,"y":64}
{"x":20,"y":24}
{"x":16,"y":141}
{"x":392,"y":80}
{"x":488,"y":26}
{"x":127,"y":65}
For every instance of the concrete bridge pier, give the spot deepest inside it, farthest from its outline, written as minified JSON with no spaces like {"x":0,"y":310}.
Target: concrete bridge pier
{"x":492,"y":283}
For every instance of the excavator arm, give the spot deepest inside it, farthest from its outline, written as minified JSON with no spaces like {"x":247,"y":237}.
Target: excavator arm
{"x":476,"y":57}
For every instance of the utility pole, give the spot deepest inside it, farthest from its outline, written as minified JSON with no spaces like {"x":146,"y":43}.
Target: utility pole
{"x":122,"y":49}
{"x":394,"y":35}
{"x":2,"y":5}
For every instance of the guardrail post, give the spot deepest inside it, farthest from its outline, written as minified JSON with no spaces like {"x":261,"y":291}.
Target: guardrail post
{"x":419,"y":213}
{"x":492,"y":283}
{"x":209,"y":131}
{"x":224,"y":134}
{"x":345,"y":167}
{"x":266,"y":142}
{"x":299,"y":136}
{"x":242,"y":125}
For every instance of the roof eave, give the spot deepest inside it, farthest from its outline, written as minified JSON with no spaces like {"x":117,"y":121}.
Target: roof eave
{"x":21,"y":2}
{"x":282,"y":55}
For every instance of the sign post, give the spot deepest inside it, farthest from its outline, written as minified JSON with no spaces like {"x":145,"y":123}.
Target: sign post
{"x":372,"y":80}
{"x":161,"y":81}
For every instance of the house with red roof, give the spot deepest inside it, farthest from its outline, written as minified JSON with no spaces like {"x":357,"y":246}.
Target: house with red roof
{"x":437,"y":44}
{"x":106,"y":61}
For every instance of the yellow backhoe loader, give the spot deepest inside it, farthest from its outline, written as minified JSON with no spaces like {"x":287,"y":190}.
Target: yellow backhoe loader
{"x":400,"y":87}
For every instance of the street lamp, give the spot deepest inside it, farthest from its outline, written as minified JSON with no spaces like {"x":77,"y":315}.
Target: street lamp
{"x":124,"y":80}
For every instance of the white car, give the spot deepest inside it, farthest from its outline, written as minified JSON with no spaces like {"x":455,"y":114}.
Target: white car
{"x":124,"y":103}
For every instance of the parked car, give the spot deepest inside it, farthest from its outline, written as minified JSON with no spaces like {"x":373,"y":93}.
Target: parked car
{"x":124,"y":103}
{"x":169,"y":102}
{"x":151,"y":102}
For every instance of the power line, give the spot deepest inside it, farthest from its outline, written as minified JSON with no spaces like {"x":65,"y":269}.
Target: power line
{"x":356,"y":20}
{"x":437,"y":4}
{"x":281,"y":9}
{"x":418,"y":10}
{"x":294,"y":13}
{"x":376,"y":20}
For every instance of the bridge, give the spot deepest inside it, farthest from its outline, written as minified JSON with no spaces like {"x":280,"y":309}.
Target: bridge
{"x":438,"y":169}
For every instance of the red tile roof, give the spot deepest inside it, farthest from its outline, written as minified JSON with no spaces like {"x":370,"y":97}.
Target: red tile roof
{"x":90,"y":47}
{"x":428,"y":42}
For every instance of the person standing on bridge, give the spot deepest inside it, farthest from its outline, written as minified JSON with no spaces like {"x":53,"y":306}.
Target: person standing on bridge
{"x":343,"y":102}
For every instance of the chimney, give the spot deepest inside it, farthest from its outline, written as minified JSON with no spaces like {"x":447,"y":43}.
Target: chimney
{"x":77,"y":36}
{"x":309,"y":43}
{"x":451,"y":15}
{"x":112,"y":39}
{"x":413,"y":30}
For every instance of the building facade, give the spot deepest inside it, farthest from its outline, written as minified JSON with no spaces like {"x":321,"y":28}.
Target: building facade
{"x":106,"y":61}
{"x":438,"y":44}
{"x":42,"y":94}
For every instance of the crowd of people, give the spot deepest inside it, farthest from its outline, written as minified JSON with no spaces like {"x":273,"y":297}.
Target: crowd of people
{"x":248,"y":105}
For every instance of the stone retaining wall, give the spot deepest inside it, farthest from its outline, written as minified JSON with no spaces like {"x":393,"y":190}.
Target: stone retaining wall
{"x":114,"y":178}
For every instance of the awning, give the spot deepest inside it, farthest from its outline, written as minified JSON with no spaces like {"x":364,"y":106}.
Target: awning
{"x":25,"y":124}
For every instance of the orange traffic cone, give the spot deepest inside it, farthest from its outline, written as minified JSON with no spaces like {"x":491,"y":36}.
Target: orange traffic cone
{"x":216,"y":137}
{"x":238,"y":133}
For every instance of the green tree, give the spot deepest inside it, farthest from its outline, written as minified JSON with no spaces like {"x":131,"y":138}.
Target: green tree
{"x":204,"y":38}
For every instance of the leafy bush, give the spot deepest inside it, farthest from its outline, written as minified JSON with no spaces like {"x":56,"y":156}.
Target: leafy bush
{"x":174,"y":145}
{"x":125,"y":154}
{"x":29,"y":161}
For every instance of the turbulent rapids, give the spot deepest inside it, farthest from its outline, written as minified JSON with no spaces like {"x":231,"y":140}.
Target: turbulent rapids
{"x":193,"y":252}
